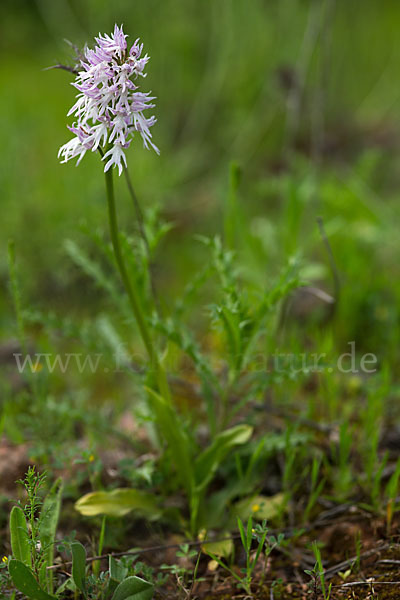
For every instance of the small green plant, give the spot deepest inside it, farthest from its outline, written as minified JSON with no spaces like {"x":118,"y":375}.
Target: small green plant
{"x":317,"y":574}
{"x":114,"y":584}
{"x":247,"y":536}
{"x":5,"y":580}
{"x":182,"y":571}
{"x":260,"y":533}
{"x":33,"y":530}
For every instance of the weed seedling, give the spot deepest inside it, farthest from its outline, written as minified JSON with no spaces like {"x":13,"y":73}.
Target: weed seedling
{"x":317,"y":575}
{"x":247,"y":535}
{"x":182,"y":571}
{"x":270,"y":543}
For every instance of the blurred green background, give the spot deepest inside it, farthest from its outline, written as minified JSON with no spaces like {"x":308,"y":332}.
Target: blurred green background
{"x":304,"y":95}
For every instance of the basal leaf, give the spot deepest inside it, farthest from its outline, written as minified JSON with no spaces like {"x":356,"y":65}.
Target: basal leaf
{"x":171,"y":428}
{"x":79,"y":566}
{"x":118,"y":503}
{"x":117,"y":570}
{"x":19,"y":536}
{"x":25,"y":582}
{"x":209,"y":460}
{"x":133,"y":588}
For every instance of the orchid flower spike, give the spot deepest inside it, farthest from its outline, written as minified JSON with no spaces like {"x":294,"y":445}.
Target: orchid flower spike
{"x":109,"y":107}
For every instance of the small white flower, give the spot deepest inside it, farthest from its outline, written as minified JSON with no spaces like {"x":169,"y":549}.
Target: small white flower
{"x":98,"y":132}
{"x":72,"y":149}
{"x":116,"y":155}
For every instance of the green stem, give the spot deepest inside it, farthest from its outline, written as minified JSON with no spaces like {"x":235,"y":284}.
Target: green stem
{"x":133,"y":299}
{"x":96,"y":563}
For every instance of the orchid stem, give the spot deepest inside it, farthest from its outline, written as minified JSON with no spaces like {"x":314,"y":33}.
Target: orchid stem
{"x":133,"y":299}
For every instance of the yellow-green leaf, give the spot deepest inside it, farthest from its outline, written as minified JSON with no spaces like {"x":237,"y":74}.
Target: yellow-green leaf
{"x":118,"y":503}
{"x":222,"y":549}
